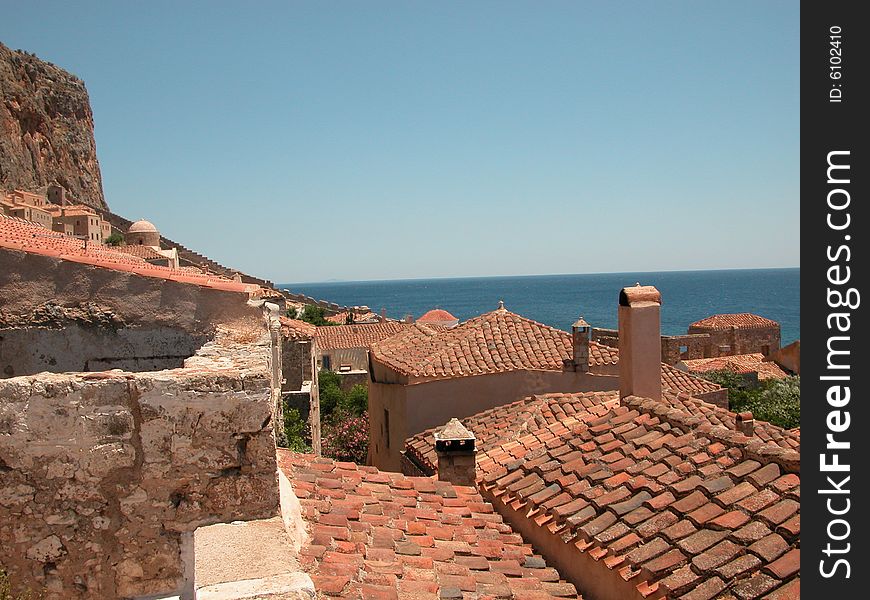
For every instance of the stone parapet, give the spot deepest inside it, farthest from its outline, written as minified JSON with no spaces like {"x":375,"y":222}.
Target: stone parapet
{"x":105,"y":476}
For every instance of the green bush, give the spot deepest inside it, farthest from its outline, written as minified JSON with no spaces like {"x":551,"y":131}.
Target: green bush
{"x":116,"y":239}
{"x":296,"y":431}
{"x":332,"y":397}
{"x":316,"y":315}
{"x":777,"y":401}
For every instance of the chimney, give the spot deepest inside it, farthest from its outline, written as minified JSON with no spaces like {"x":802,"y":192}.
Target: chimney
{"x":408,"y":319}
{"x":383,"y":315}
{"x":640,"y":346}
{"x":580,"y":334}
{"x":746,"y":423}
{"x":457,"y":456}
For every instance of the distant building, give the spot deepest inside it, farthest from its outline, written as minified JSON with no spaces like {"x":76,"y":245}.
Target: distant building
{"x":743,"y":333}
{"x":143,"y":240}
{"x":440,"y":317}
{"x":62,"y":217}
{"x":753,"y":366}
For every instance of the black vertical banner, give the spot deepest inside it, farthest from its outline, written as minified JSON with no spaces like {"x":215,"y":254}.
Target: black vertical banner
{"x":835,"y":166}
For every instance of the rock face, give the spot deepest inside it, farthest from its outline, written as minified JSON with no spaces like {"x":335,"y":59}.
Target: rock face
{"x":46,"y":129}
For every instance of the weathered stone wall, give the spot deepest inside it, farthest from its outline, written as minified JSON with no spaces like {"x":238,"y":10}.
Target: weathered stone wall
{"x":694,"y":344}
{"x":729,"y":342}
{"x":41,"y":291}
{"x":104,"y":477}
{"x":30,"y":350}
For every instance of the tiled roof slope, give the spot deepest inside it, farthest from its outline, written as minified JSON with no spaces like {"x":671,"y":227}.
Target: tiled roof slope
{"x":16,"y":234}
{"x":334,"y":337}
{"x":436,"y":315}
{"x":675,"y":380}
{"x":494,"y":342}
{"x":143,"y":252}
{"x":378,"y":535}
{"x":739,"y":320}
{"x":297,"y":329}
{"x":738,"y":363}
{"x":674,"y":504}
{"x":503,"y":423}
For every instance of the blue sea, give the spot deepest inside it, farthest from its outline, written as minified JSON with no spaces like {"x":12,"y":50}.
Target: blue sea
{"x":558,"y":300}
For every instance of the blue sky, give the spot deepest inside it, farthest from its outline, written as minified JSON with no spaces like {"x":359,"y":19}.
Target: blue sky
{"x":309,"y":141}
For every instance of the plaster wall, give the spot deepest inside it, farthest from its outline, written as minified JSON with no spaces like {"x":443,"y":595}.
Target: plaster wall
{"x":419,"y":406}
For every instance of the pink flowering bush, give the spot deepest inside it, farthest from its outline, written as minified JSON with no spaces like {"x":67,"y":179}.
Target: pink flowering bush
{"x":345,"y":436}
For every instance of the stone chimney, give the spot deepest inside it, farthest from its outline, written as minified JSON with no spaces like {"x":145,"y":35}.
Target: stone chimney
{"x":408,"y":319}
{"x":746,"y":423}
{"x":383,"y":315}
{"x":640,"y":347}
{"x":581,"y":331}
{"x":457,"y":456}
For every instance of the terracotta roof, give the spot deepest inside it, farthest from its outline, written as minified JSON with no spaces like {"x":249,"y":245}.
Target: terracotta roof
{"x":494,"y":342}
{"x":297,"y":329}
{"x":436,"y":315}
{"x":378,"y":535}
{"x":739,"y":363}
{"x":333,"y":337}
{"x":341,"y":318}
{"x":23,"y":236}
{"x":143,"y":252}
{"x":740,"y":320}
{"x":660,"y":496}
{"x":503,"y":423}
{"x":675,"y":380}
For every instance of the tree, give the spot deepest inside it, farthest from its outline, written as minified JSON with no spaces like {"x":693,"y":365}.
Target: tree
{"x":116,"y":239}
{"x":316,"y":315}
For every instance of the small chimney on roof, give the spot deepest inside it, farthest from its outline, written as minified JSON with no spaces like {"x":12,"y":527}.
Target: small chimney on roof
{"x":746,"y":423}
{"x":580,"y":334}
{"x":457,"y":456}
{"x":383,"y":315}
{"x":640,"y":347}
{"x":408,"y":318}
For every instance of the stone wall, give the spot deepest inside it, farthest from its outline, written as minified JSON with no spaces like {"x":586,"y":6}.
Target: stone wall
{"x":78,"y":347}
{"x":105,"y":476}
{"x":729,"y":342}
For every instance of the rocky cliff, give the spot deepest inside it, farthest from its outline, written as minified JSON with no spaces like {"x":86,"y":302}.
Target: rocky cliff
{"x":46,"y":129}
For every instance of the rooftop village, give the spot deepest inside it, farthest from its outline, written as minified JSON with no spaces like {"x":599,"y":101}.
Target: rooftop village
{"x":143,"y":392}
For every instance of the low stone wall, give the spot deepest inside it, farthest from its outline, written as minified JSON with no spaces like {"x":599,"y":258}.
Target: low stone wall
{"x":105,"y":476}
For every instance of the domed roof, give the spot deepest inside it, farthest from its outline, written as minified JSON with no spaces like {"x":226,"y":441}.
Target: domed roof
{"x":436,"y":316}
{"x":142,"y":226}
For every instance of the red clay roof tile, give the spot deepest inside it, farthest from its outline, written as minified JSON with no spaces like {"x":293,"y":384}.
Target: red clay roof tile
{"x":380,"y":535}
{"x":738,"y":320}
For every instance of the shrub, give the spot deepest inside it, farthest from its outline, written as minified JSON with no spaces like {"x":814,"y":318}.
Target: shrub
{"x":116,"y":239}
{"x":356,"y":401}
{"x":316,"y":315}
{"x":777,"y":401}
{"x":296,"y":432}
{"x":345,"y":436}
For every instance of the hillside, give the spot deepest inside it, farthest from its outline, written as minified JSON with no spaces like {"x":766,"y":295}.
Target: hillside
{"x":46,"y":129}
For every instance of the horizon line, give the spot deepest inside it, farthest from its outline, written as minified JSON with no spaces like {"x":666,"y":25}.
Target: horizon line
{"x":400,"y":279}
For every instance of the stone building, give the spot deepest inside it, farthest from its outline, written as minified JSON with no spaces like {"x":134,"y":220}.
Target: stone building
{"x":137,"y":406}
{"x":742,"y":333}
{"x":299,"y":387}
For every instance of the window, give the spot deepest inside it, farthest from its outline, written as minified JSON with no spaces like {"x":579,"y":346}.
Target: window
{"x":327,"y":363}
{"x":387,"y":426}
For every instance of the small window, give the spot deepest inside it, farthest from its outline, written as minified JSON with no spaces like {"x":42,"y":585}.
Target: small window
{"x":344,"y":368}
{"x":327,"y":363}
{"x":387,"y":426}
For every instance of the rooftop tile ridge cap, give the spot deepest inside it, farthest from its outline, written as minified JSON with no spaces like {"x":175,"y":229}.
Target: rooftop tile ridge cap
{"x":752,"y":446}
{"x":507,"y":313}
